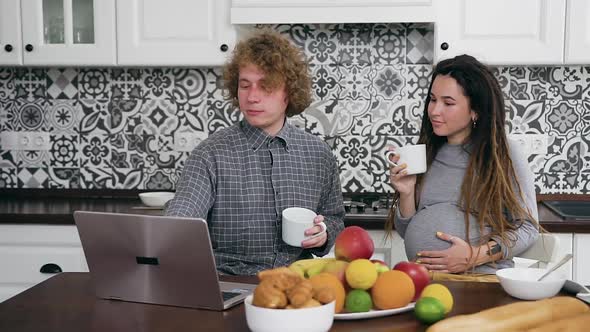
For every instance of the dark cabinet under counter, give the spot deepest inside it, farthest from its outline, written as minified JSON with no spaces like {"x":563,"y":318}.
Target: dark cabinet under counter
{"x":54,"y":206}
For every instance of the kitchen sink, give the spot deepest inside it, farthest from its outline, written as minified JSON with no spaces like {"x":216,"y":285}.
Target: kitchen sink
{"x":570,"y":209}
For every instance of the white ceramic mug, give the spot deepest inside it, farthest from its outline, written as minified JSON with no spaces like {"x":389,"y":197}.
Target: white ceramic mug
{"x":295,"y":221}
{"x":412,"y":155}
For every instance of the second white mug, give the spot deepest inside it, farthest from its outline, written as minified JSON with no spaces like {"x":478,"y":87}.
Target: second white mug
{"x":412,"y":155}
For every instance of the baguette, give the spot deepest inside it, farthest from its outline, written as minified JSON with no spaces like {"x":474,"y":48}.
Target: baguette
{"x":515,"y":316}
{"x":579,"y":323}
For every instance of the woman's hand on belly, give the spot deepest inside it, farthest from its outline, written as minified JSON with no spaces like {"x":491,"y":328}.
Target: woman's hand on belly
{"x":458,"y":258}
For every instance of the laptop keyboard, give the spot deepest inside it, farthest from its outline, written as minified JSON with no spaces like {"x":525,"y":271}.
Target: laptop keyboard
{"x":229,"y":295}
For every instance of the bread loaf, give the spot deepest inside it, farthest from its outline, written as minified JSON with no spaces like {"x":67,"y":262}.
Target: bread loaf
{"x":519,"y":316}
{"x":579,"y":323}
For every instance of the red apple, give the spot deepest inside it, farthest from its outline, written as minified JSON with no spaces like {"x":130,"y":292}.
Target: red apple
{"x":418,"y":273}
{"x":353,"y":243}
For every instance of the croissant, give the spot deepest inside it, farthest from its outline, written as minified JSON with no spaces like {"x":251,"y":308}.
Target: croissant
{"x":300,"y":293}
{"x":283,"y":288}
{"x":324,"y":295}
{"x":282,"y":278}
{"x":268,"y":296}
{"x":310,"y":303}
{"x":274,"y":272}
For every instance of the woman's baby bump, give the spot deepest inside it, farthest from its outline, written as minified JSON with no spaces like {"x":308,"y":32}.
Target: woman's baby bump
{"x":443,"y":217}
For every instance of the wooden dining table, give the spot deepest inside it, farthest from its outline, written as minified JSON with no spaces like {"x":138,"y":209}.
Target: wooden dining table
{"x":66,"y":302}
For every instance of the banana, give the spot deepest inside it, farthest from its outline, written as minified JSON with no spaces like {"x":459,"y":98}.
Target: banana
{"x":311,"y":266}
{"x":314,"y":269}
{"x":297,"y":269}
{"x":307,"y":263}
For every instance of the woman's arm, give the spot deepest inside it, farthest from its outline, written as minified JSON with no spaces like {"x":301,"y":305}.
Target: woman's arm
{"x":460,"y":257}
{"x":401,"y":223}
{"x":407,"y":205}
{"x":405,"y":185}
{"x":487,"y":253}
{"x":524,"y":236}
{"x":520,"y":239}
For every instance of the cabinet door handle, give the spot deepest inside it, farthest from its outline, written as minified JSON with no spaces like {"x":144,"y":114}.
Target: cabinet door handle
{"x":224,"y":47}
{"x":8,"y":48}
{"x":29,"y":48}
{"x":444,"y":46}
{"x":50,"y":268}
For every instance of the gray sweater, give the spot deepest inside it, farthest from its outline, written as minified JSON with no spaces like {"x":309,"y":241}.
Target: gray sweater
{"x":438,"y":209}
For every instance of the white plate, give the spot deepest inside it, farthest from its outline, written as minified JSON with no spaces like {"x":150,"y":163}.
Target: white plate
{"x":374,"y":313}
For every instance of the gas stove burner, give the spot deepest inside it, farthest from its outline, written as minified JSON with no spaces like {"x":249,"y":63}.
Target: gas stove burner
{"x":358,"y":207}
{"x":367,"y":203}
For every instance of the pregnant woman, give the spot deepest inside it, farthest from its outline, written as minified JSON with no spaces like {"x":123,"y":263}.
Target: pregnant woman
{"x":474,"y":209}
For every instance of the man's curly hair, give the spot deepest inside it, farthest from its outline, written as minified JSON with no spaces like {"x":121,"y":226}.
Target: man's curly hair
{"x":282,"y":63}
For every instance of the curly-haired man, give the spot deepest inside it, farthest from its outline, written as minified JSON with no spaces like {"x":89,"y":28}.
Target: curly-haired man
{"x":241,"y":178}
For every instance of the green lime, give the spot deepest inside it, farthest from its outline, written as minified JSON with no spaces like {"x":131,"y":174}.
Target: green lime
{"x":358,"y":300}
{"x":429,"y":310}
{"x":441,"y":293}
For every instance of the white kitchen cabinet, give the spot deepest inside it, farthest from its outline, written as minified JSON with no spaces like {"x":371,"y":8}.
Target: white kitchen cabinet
{"x":382,"y":246}
{"x":174,"y":32}
{"x":330,"y":11}
{"x":67,"y":32}
{"x":25,"y":250}
{"x":398,"y":249}
{"x":566,"y":246}
{"x":577,"y":37}
{"x":581,"y":265}
{"x":10,"y":33}
{"x":501,"y":31}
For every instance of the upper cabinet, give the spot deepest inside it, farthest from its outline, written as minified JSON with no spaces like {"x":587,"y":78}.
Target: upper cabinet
{"x":10,"y":34}
{"x":57,"y":32}
{"x":330,"y":11}
{"x":95,"y":32}
{"x":174,"y":32}
{"x":502,"y":31}
{"x":577,"y":45}
{"x":203,"y":32}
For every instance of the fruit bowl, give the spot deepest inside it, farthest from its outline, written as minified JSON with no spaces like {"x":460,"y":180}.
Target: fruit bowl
{"x":316,"y":319}
{"x":156,"y":198}
{"x":522,"y":283}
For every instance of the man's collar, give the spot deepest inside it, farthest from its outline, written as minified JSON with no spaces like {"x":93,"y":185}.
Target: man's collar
{"x":256,"y":136}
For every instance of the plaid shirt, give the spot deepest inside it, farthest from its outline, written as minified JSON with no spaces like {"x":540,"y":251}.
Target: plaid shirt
{"x":241,"y":179}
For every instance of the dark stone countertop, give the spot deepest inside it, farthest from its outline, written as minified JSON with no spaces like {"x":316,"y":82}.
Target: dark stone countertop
{"x":52,"y":206}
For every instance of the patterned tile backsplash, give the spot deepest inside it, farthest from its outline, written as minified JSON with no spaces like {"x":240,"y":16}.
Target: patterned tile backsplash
{"x":133,"y":128}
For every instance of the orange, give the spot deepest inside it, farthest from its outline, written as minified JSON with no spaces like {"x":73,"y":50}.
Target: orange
{"x":326,"y":279}
{"x":393,"y":289}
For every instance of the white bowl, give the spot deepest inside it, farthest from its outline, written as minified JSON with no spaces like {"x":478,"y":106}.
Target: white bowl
{"x":522,"y":283}
{"x":156,"y":198}
{"x":316,"y":319}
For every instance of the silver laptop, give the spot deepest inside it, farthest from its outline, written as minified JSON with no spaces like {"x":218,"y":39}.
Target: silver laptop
{"x":154,"y":259}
